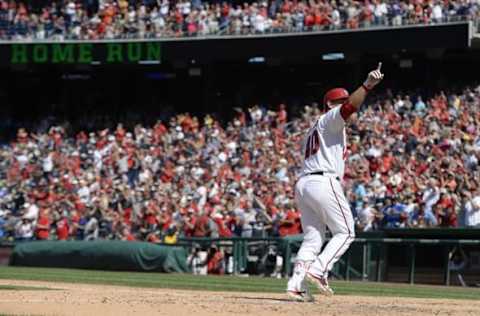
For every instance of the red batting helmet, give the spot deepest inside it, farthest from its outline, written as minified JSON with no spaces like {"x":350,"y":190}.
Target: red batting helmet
{"x":333,"y":95}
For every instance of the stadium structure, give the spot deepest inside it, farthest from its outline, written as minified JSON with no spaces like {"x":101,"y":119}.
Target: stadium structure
{"x":74,"y":97}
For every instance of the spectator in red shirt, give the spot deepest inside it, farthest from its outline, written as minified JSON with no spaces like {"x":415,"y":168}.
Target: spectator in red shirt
{"x":43,"y":225}
{"x":127,"y":234}
{"x":223,"y":230}
{"x":201,"y":227}
{"x":215,"y":262}
{"x":63,"y":228}
{"x":290,"y":225}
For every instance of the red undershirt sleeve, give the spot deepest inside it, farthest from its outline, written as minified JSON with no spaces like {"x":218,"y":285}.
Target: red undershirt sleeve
{"x":346,"y":110}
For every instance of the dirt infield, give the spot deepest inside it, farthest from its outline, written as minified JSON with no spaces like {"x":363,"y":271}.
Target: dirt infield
{"x":83,"y":299}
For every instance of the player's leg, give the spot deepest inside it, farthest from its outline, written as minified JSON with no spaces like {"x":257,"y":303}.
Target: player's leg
{"x":309,"y":250}
{"x":340,"y":222}
{"x":314,"y":235}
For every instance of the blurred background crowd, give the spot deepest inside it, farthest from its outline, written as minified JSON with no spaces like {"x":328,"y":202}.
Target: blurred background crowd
{"x":411,"y":163}
{"x":115,"y":19}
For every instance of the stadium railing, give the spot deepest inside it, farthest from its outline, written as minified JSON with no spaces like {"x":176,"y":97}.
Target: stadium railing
{"x":369,"y":258}
{"x":223,"y":32}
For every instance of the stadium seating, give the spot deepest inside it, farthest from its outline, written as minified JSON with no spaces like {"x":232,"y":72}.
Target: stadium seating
{"x":411,"y":163}
{"x":111,"y":19}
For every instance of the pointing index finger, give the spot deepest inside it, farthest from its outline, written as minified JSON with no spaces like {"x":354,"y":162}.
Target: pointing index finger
{"x":379,"y":67}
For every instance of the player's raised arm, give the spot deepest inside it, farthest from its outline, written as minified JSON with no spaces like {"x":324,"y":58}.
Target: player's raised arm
{"x":358,"y":96}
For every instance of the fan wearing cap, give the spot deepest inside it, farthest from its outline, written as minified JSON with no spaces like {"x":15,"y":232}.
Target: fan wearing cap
{"x":319,"y":194}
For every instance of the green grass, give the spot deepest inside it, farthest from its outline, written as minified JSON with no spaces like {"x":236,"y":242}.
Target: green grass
{"x":18,"y":315}
{"x":23,"y":288}
{"x":228,"y":283}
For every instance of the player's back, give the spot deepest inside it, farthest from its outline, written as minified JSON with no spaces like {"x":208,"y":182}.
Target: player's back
{"x":325,"y":144}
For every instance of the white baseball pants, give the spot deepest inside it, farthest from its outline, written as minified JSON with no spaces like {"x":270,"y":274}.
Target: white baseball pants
{"x":322,"y":204}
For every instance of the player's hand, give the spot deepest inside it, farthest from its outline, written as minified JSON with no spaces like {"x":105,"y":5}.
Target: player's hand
{"x":374,"y":77}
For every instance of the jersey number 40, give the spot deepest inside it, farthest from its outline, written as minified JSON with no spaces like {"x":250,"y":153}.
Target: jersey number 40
{"x":312,"y":145}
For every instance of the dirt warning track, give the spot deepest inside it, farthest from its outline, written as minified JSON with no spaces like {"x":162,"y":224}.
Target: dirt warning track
{"x":87,"y":299}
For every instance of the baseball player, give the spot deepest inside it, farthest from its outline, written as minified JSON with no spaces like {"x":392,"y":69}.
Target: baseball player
{"x":319,"y":194}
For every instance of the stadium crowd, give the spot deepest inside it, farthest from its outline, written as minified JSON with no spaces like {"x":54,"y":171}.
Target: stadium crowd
{"x":114,"y":19}
{"x":410,"y":163}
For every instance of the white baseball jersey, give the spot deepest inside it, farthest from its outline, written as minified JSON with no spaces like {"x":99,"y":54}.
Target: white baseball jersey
{"x":325,"y":144}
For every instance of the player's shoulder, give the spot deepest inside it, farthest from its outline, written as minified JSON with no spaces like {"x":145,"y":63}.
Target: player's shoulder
{"x":316,"y":123}
{"x":326,"y":115}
